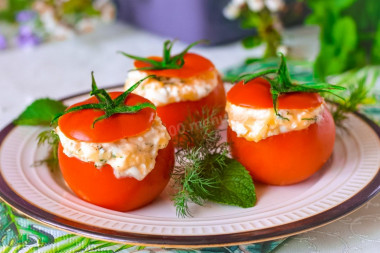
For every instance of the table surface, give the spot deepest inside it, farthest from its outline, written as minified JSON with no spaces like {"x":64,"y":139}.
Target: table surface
{"x":62,"y":68}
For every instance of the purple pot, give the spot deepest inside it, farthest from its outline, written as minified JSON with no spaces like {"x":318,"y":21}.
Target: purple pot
{"x":186,"y":20}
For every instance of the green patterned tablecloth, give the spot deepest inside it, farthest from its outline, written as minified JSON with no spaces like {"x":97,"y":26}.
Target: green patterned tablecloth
{"x":21,"y":234}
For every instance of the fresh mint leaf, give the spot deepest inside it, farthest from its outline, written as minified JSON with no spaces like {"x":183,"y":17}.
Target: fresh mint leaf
{"x":40,"y":113}
{"x":203,"y":170}
{"x":236,"y":187}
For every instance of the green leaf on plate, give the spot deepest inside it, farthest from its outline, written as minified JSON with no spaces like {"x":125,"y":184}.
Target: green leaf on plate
{"x":236,"y":187}
{"x":40,"y":113}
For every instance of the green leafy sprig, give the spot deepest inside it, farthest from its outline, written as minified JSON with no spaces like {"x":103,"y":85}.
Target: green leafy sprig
{"x":349,"y":35}
{"x":50,"y":138}
{"x":265,"y":24}
{"x":107,"y":104}
{"x":46,"y":111}
{"x":41,"y":113}
{"x":359,"y":85}
{"x":203,"y":169}
{"x":279,"y":80}
{"x":168,"y":61}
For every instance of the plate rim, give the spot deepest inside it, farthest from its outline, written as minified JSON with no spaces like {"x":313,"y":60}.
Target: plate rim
{"x":197,"y":241}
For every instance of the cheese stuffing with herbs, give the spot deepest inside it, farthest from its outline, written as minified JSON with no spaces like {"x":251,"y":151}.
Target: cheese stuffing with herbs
{"x":130,"y":157}
{"x":165,"y":90}
{"x":258,"y":124}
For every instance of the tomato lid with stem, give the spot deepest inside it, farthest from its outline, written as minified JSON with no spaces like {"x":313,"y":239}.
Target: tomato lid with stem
{"x":107,"y":117}
{"x":182,"y":65}
{"x":256,"y":94}
{"x":257,"y":90}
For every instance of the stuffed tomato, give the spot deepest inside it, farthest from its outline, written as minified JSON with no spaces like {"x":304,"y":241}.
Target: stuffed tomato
{"x":275,"y":150}
{"x":121,"y":161}
{"x":181,"y":89}
{"x":281,"y":132}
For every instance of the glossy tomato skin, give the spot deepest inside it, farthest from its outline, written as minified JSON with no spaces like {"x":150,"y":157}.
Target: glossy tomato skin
{"x":78,"y":125}
{"x":256,"y":94}
{"x":173,"y":115}
{"x":102,"y":188}
{"x":194,"y":65}
{"x":286,"y":158}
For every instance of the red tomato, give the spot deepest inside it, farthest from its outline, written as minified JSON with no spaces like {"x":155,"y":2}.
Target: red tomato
{"x":102,"y":188}
{"x":193,"y":66}
{"x":78,"y":125}
{"x":173,"y":115}
{"x":256,"y":94}
{"x":286,"y":158}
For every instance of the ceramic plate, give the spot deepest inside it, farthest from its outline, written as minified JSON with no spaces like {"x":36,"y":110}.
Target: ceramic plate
{"x":348,"y":179}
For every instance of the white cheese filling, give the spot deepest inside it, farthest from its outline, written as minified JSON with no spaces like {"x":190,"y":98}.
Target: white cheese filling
{"x":165,"y":90}
{"x":130,"y":157}
{"x":258,"y":124}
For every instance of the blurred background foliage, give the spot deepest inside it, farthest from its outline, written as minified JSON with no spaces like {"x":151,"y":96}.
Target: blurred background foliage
{"x":27,"y":23}
{"x":9,"y":9}
{"x":78,"y":8}
{"x":349,"y":29}
{"x":349,"y":34}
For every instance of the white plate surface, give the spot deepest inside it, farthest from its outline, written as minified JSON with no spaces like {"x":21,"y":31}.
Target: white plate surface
{"x":354,"y":164}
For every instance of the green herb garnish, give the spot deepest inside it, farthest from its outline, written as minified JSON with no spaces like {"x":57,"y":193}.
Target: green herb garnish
{"x":46,"y":111}
{"x":168,"y":61}
{"x":107,"y":104}
{"x":280,"y":83}
{"x":359,"y":83}
{"x":50,"y":138}
{"x":40,"y":113}
{"x":204,"y":171}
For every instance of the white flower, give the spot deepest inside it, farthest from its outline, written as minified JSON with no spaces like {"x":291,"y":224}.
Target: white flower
{"x":86,"y":25}
{"x":274,"y":5}
{"x":283,"y":49}
{"x":232,"y":10}
{"x":238,"y":2}
{"x":106,"y":8}
{"x":51,"y":24}
{"x":255,"y":5}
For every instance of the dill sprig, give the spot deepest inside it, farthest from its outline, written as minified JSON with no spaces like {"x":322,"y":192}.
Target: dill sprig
{"x":203,"y":170}
{"x":280,"y":82}
{"x":168,"y":61}
{"x":107,"y":104}
{"x":359,"y":85}
{"x":198,"y":146}
{"x":50,"y":138}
